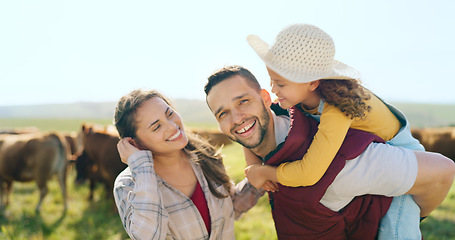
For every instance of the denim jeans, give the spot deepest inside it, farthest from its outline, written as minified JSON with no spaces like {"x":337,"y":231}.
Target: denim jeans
{"x":402,"y":220}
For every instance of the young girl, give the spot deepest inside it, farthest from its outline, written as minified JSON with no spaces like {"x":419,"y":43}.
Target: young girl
{"x":175,"y":185}
{"x":304,"y":74}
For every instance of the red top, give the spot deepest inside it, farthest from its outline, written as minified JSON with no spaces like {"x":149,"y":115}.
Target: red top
{"x":199,"y":200}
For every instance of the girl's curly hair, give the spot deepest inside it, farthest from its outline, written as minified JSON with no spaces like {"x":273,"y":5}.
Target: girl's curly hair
{"x":346,"y":94}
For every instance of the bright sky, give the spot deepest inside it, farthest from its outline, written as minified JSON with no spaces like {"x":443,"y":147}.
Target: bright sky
{"x":69,"y":51}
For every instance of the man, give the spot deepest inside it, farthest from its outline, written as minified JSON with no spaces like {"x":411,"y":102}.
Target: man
{"x":243,"y":112}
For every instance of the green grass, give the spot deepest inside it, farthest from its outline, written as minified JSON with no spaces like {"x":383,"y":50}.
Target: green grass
{"x":99,"y":220}
{"x":82,"y":220}
{"x":440,"y":224}
{"x":256,"y":223}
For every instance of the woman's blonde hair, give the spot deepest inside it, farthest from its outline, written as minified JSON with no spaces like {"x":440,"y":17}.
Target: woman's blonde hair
{"x":208,"y":157}
{"x":346,"y":94}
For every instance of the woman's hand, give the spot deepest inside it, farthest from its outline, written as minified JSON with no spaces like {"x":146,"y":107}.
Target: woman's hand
{"x":126,"y":148}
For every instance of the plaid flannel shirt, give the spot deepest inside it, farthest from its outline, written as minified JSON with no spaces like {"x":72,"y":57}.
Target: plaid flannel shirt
{"x":152,"y":209}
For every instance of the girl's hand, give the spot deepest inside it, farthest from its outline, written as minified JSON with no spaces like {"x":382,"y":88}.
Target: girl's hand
{"x":270,"y":186}
{"x":262,"y":176}
{"x":255,"y":175}
{"x":126,"y":148}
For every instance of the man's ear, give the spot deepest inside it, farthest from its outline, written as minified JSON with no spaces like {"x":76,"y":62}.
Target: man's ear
{"x":314,"y":85}
{"x":266,"y":98}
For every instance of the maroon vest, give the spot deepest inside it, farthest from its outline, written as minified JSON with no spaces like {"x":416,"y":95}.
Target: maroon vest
{"x":297,"y":212}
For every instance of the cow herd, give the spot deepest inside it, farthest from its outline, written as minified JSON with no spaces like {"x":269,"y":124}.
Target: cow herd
{"x":99,"y":160}
{"x":440,"y":140}
{"x":30,"y":155}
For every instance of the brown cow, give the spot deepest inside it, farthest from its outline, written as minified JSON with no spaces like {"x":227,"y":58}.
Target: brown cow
{"x":440,"y":140}
{"x":19,"y":130}
{"x":214,"y":137}
{"x":75,"y":143}
{"x":99,"y":160}
{"x":28,"y":157}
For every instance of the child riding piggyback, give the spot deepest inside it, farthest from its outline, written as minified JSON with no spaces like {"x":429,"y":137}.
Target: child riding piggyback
{"x":304,"y":74}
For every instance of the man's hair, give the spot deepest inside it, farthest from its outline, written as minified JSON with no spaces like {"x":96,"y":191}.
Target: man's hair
{"x":228,"y":72}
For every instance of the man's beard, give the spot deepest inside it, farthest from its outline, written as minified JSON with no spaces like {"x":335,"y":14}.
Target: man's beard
{"x":263,"y":123}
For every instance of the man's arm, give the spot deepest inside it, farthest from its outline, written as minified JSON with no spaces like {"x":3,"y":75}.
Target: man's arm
{"x":434,"y":178}
{"x":244,"y":197}
{"x":387,"y":170}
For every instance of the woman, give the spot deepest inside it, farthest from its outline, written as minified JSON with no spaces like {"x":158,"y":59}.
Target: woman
{"x":175,"y":186}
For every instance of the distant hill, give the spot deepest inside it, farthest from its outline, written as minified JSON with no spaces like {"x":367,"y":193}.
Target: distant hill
{"x":78,"y":110}
{"x":428,"y":115}
{"x":190,"y":110}
{"x":196,"y":111}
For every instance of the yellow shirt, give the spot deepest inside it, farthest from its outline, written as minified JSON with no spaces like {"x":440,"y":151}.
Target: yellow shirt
{"x":332,"y":130}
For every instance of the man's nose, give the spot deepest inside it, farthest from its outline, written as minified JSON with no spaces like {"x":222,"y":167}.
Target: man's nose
{"x":237,"y":116}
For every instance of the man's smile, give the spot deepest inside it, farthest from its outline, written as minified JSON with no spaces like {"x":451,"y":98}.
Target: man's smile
{"x":246,"y":129}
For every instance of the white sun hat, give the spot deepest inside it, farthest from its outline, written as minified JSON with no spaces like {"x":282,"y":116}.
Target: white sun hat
{"x":302,"y":53}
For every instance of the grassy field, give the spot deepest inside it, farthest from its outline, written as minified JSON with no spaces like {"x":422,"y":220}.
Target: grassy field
{"x":99,"y":220}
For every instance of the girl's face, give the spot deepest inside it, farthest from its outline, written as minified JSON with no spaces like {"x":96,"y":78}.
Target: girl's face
{"x":159,"y":128}
{"x":291,"y":93}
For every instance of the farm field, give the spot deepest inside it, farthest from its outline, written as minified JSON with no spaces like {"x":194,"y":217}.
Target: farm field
{"x":99,"y":220}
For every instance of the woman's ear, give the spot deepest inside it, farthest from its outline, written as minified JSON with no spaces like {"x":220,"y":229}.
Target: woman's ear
{"x":314,"y":85}
{"x":266,"y":98}
{"x":135,"y":142}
